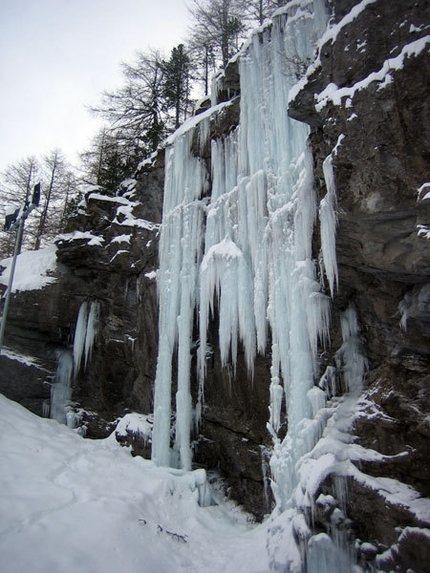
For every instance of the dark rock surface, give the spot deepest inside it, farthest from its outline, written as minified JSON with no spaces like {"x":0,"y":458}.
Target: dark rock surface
{"x":113,"y":264}
{"x":381,"y":135}
{"x":233,"y":437}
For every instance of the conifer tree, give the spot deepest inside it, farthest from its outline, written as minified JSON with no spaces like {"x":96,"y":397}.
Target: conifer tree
{"x":176,"y":87}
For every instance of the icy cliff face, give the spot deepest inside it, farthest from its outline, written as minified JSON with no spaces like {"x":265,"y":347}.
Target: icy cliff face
{"x":239,"y":250}
{"x":298,"y":275}
{"x":366,"y":98}
{"x":244,"y":251}
{"x":247,"y":245}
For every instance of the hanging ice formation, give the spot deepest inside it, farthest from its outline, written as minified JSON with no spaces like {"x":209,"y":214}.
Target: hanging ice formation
{"x":85,"y":333}
{"x":256,"y":230}
{"x":69,"y":363}
{"x":247,"y":250}
{"x":61,"y":389}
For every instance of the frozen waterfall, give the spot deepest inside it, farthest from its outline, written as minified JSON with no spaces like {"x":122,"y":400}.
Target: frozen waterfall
{"x":85,"y":333}
{"x":69,"y":362}
{"x":246,"y":248}
{"x":61,"y":389}
{"x":242,"y":248}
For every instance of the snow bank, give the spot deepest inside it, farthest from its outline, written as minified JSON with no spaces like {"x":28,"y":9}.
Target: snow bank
{"x":69,"y":504}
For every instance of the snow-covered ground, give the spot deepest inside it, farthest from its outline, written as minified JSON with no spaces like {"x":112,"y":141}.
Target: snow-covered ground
{"x":73,"y":505}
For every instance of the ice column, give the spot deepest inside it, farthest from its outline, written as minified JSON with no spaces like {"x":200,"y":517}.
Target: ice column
{"x":256,"y":270}
{"x":351,"y":358}
{"x":92,"y":328}
{"x":61,"y":390}
{"x":180,"y":256}
{"x":276,"y":146}
{"x":70,"y":362}
{"x":85,"y":333}
{"x":79,"y":338}
{"x":328,"y":219}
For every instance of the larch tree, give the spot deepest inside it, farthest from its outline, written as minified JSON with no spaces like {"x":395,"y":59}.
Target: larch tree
{"x":204,"y":61}
{"x":56,"y":178}
{"x":134,"y":112}
{"x":219,"y":25}
{"x":108,"y":161}
{"x":18,"y":181}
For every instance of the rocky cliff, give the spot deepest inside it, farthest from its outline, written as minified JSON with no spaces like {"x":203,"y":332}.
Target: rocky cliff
{"x":110,"y":257}
{"x":366,"y":101}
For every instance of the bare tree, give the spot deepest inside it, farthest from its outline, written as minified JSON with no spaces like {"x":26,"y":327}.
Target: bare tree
{"x":204,"y":61}
{"x":17,"y":183}
{"x":58,"y":184}
{"x":56,"y":180}
{"x":259,"y":10}
{"x":219,"y":25}
{"x":134,"y":112}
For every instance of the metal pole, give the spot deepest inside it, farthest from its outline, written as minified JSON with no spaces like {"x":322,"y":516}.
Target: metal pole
{"x":23,"y":214}
{"x":12,"y":272}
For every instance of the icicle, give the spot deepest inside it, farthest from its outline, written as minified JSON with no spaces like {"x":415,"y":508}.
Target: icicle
{"x":328,"y":381}
{"x":91,"y":332}
{"x":328,"y":220}
{"x":79,"y":339}
{"x":61,"y":390}
{"x":180,"y":256}
{"x":85,"y":333}
{"x":350,"y":357}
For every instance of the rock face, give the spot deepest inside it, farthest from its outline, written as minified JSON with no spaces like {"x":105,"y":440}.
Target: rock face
{"x":372,"y":108}
{"x":367,"y":104}
{"x":113,"y":265}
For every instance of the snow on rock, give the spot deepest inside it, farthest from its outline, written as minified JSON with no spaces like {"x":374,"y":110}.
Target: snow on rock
{"x":93,"y":240}
{"x":34,"y":269}
{"x":343,"y":96}
{"x":332,"y":33}
{"x":108,"y":198}
{"x":134,"y":423}
{"x":329,"y":36}
{"x":125,"y":218}
{"x":23,"y":358}
{"x":424,"y":192}
{"x":122,"y":239}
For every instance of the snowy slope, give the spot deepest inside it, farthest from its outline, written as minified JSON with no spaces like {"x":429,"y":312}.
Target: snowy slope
{"x":69,"y":504}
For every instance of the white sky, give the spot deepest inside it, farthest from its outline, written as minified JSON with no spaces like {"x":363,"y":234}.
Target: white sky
{"x":58,"y":56}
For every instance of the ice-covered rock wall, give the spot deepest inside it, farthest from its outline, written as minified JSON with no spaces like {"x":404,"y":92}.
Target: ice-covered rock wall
{"x":249,"y":246}
{"x":243,"y":248}
{"x":284,"y":280}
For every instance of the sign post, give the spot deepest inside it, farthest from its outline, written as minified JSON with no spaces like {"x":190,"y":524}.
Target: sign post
{"x":13,"y":221}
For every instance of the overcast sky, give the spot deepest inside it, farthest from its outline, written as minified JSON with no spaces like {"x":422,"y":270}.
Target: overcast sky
{"x":58,"y":56}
